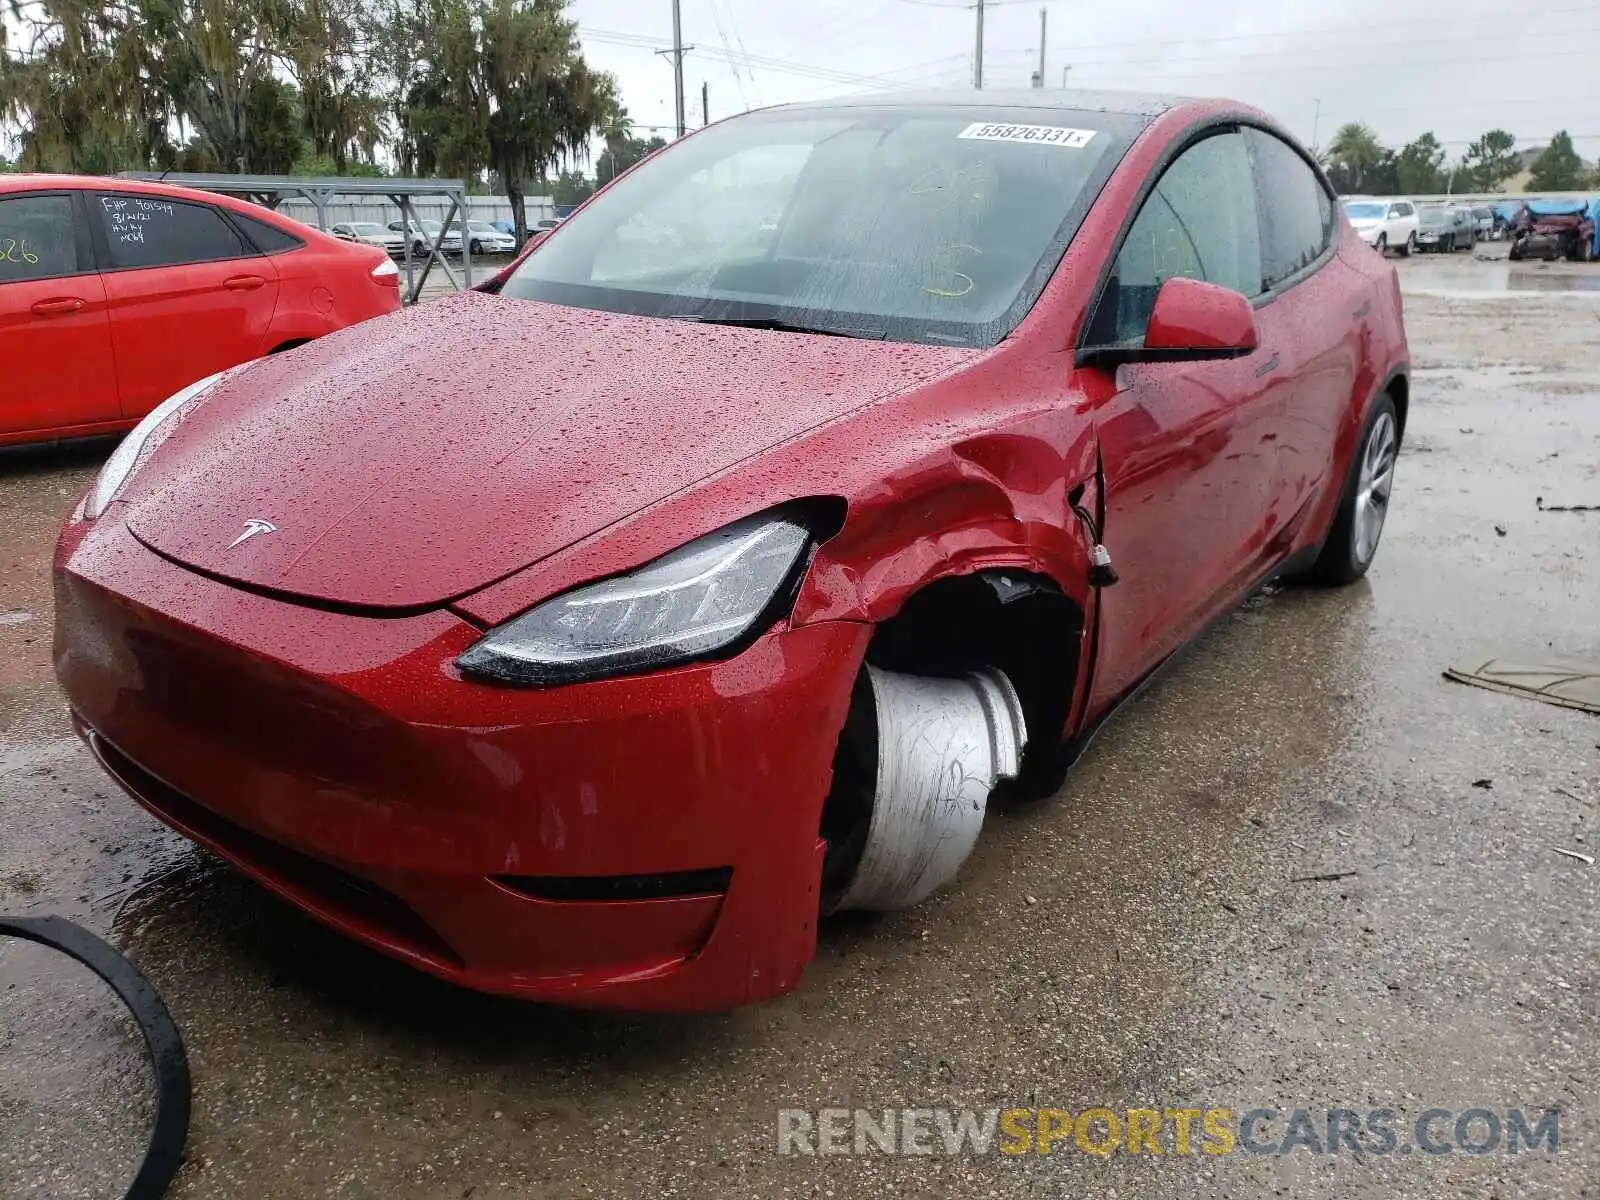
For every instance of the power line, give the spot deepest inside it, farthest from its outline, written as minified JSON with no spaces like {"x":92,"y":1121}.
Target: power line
{"x":1294,"y":33}
{"x":1231,"y":56}
{"x":1113,"y":68}
{"x":733,"y":64}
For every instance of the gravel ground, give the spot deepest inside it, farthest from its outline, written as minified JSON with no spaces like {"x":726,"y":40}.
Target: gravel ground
{"x":1141,"y":940}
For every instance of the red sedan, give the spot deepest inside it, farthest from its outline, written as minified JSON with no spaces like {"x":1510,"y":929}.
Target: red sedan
{"x":836,"y":467}
{"x":115,"y":293}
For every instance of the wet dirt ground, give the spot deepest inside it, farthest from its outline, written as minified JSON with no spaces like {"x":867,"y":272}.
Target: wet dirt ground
{"x":1143,"y":939}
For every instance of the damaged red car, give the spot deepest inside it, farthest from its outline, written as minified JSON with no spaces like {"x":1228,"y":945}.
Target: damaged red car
{"x":834,"y":469}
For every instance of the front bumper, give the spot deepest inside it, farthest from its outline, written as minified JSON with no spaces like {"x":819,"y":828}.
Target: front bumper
{"x":646,"y":843}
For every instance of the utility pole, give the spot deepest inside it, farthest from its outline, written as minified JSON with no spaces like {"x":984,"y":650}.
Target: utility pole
{"x":677,"y":61}
{"x":1064,"y":71}
{"x":677,"y":52}
{"x":1044,"y":15}
{"x":705,"y":103}
{"x":1316,"y":120}
{"x":977,"y":53}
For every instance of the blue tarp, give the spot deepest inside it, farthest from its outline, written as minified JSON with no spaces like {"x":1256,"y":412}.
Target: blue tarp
{"x":1558,"y":208}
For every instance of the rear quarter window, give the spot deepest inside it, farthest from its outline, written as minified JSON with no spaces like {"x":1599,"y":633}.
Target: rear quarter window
{"x":268,"y":238}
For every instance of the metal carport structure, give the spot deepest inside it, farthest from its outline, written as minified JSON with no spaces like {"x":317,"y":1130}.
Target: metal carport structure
{"x":271,"y":190}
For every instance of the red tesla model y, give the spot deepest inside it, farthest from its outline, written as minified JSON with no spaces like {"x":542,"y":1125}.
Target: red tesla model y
{"x":836,"y":467}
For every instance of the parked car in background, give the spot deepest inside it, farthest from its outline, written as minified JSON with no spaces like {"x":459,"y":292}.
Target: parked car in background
{"x":117,"y":293}
{"x":448,"y":242}
{"x":720,"y":597}
{"x":1384,"y":224}
{"x":1483,"y":222}
{"x":1446,"y":227}
{"x":370,"y":233}
{"x":547,"y":222}
{"x":484,"y":238}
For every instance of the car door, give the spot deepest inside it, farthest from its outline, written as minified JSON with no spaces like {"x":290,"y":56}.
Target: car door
{"x":1186,"y":447}
{"x":55,"y":335}
{"x":1308,"y":314}
{"x":188,"y":297}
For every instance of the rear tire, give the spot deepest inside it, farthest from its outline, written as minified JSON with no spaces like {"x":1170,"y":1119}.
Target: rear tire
{"x":1382,"y":244}
{"x":1352,"y":540}
{"x":1410,"y":247}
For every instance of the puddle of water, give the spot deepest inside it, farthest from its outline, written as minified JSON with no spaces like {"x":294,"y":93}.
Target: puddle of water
{"x":1553,"y":283}
{"x":1497,"y":277}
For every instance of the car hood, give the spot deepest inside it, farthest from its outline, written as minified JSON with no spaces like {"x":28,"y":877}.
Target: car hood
{"x":400,"y":472}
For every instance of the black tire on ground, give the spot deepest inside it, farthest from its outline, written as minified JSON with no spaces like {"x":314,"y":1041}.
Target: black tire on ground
{"x":1410,"y":247}
{"x":1449,"y":246}
{"x":1515,"y":253}
{"x":1382,"y":244}
{"x":1341,"y":560}
{"x":475,"y":247}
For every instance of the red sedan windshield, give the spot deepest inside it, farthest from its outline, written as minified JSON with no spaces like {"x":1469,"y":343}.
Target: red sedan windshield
{"x":934,"y":226}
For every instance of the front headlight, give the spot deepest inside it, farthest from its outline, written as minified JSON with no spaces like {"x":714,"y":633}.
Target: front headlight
{"x":127,"y":456}
{"x":709,"y":597}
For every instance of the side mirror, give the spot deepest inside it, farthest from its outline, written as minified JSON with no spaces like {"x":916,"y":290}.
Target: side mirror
{"x":1189,"y":321}
{"x":1193,"y":320}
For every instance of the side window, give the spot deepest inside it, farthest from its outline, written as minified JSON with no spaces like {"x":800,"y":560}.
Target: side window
{"x":268,"y":238}
{"x":1295,"y":208}
{"x":36,"y":238}
{"x":1199,"y":222}
{"x":1402,"y":210}
{"x":148,"y":231}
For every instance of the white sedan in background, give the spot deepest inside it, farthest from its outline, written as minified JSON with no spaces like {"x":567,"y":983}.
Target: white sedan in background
{"x":484,"y":238}
{"x":370,"y":233}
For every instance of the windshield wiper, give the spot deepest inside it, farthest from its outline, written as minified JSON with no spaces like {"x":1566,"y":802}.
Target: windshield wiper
{"x":782,"y":326}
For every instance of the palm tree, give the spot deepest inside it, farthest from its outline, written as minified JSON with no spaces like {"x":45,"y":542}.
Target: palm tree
{"x":616,"y":127}
{"x":1355,"y":150}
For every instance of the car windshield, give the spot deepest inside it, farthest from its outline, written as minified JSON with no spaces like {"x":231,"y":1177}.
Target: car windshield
{"x":937,"y":224}
{"x":1433,"y":216}
{"x":1365,"y":212}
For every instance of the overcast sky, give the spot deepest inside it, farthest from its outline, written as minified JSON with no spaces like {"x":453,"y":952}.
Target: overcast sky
{"x":1402,"y":66}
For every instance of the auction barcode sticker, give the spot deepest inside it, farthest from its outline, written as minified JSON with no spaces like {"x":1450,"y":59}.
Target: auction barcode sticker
{"x":1044,"y":135}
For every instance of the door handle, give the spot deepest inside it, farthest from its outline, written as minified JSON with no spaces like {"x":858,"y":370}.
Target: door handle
{"x":243,"y":283}
{"x":1269,"y":366}
{"x":57,"y":306}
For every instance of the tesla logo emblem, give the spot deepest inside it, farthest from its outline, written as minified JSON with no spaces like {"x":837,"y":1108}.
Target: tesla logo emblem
{"x":252,"y":527}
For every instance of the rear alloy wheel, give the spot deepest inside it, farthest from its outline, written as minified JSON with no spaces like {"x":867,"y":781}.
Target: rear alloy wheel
{"x":1410,"y":247}
{"x":1352,"y":541}
{"x":917,"y":760}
